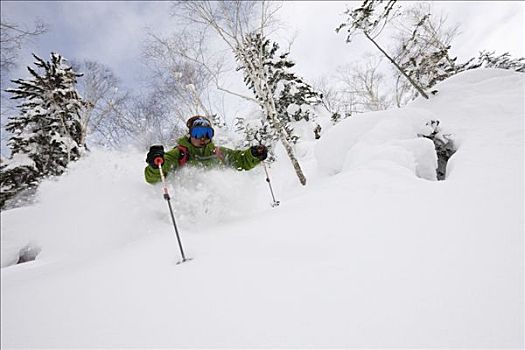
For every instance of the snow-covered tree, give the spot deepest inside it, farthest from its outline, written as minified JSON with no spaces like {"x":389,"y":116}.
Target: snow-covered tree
{"x":13,"y":37}
{"x":423,"y":48}
{"x":488,"y":60}
{"x":370,"y":19}
{"x":46,"y":134}
{"x":283,"y":97}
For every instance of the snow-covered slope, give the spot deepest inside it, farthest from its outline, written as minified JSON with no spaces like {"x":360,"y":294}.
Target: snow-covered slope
{"x":374,"y":252}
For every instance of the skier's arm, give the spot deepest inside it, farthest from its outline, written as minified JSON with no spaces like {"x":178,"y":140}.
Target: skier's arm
{"x":171,"y":162}
{"x":239,"y":159}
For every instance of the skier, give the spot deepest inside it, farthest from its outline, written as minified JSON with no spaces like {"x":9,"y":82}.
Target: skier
{"x":197,"y":148}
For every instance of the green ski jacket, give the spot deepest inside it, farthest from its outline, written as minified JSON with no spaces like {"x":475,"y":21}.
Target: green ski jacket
{"x":207,"y":156}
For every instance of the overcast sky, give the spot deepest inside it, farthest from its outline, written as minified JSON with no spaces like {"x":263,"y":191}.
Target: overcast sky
{"x":485,"y":25}
{"x":113,"y":32}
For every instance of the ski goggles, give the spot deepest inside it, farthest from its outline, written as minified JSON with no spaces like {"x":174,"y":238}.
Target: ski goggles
{"x":200,"y":132}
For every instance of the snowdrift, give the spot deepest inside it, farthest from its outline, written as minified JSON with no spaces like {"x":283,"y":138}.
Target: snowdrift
{"x":374,"y":252}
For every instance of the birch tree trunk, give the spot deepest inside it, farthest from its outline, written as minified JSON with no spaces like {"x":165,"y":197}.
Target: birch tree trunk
{"x":263,"y":89}
{"x":293,"y":158}
{"x":286,"y":144}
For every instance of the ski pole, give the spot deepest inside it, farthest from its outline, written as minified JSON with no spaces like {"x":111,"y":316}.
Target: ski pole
{"x":158,"y":162}
{"x":275,"y":203}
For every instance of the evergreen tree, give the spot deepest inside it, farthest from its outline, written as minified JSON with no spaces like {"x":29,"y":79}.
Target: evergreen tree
{"x":283,"y":97}
{"x":46,"y":134}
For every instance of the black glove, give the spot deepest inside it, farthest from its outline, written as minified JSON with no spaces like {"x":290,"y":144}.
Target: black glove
{"x":260,"y":152}
{"x":155,"y":152}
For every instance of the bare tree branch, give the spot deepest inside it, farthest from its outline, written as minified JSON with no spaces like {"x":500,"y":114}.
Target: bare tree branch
{"x":12,"y":37}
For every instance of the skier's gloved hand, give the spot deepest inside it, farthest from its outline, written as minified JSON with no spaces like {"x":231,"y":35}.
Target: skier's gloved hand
{"x":156,"y":151}
{"x":260,"y":152}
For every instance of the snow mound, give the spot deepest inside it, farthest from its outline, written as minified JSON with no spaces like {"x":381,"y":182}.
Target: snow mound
{"x":380,"y":139}
{"x":467,"y":106}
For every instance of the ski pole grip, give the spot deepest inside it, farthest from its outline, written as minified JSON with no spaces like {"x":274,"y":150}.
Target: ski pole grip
{"x":158,"y":161}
